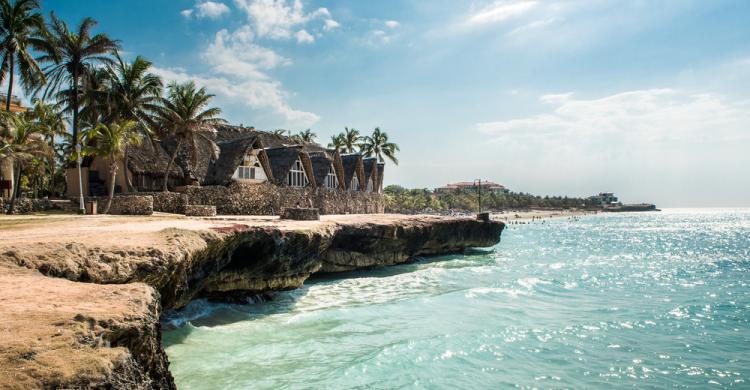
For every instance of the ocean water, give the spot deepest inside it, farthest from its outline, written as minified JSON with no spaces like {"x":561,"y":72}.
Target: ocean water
{"x":647,"y":300}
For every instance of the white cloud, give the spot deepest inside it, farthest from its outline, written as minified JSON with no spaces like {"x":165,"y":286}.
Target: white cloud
{"x":211,"y":10}
{"x":238,"y":75}
{"x":500,"y":11}
{"x":206,"y":9}
{"x":536,"y":24}
{"x":379,"y":37}
{"x":237,"y":54}
{"x":391,"y":23}
{"x":638,"y":117}
{"x":277,"y":19}
{"x":330,"y":24}
{"x":304,"y":37}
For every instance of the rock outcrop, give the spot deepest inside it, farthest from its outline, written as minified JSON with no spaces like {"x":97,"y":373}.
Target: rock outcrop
{"x":373,"y":245}
{"x":120,"y":275}
{"x":59,"y":334}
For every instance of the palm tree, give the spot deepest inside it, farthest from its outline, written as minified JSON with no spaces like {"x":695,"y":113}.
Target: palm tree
{"x":306,"y":136}
{"x":71,"y":54}
{"x":111,"y":142}
{"x":133,"y":91}
{"x":20,"y":141}
{"x":51,"y":124}
{"x":93,"y":98}
{"x":133,"y":94}
{"x":279,"y":132}
{"x":337,"y":142}
{"x":21,"y":29}
{"x":351,"y":139}
{"x":377,"y":145}
{"x":185,"y":118}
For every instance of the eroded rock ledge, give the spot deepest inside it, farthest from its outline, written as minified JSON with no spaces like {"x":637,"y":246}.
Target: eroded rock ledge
{"x":130,"y":268}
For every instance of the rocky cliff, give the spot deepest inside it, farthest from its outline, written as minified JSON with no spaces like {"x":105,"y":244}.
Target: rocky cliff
{"x":133,"y":268}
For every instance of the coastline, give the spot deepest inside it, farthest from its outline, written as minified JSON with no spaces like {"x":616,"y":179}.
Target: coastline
{"x":512,"y":216}
{"x":137,"y":267}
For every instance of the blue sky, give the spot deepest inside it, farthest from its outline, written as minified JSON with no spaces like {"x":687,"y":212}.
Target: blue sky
{"x":649,"y":99}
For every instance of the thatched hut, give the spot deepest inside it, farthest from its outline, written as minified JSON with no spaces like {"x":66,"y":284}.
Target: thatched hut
{"x":240,"y":159}
{"x":354,"y":172}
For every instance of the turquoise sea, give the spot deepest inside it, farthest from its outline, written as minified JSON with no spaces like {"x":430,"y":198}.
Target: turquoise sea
{"x":647,"y":300}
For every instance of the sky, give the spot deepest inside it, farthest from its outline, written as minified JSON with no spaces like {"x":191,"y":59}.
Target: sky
{"x":647,"y":99}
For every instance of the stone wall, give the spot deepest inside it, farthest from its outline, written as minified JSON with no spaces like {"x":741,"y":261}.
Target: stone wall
{"x":28,"y":205}
{"x":269,"y":199}
{"x":127,"y":204}
{"x":195,"y":210}
{"x":168,"y":202}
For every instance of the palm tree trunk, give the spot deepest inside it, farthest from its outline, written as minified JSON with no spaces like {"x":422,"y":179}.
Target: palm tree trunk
{"x":10,"y":82}
{"x":169,"y":166}
{"x":74,"y":105}
{"x":112,"y":176}
{"x":14,"y":192}
{"x":51,"y":165}
{"x":128,"y":181}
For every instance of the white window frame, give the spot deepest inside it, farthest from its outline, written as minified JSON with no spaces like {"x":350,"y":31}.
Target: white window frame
{"x":250,"y":170}
{"x":331,"y":181}
{"x":370,"y":185}
{"x":297,"y":177}
{"x":354,"y":183}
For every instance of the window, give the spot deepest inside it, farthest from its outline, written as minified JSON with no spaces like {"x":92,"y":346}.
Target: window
{"x":245,"y":172}
{"x":355,"y":183}
{"x":297,"y":176}
{"x":331,"y":181}
{"x":250,"y":169}
{"x":369,"y":185}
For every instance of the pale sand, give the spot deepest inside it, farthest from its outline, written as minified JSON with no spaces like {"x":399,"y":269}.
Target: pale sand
{"x":512,"y":216}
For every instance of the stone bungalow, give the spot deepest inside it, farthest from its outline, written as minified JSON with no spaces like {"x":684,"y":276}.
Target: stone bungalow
{"x":247,"y":172}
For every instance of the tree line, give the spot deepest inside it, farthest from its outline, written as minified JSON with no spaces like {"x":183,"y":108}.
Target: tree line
{"x":351,"y":141}
{"x":403,"y":200}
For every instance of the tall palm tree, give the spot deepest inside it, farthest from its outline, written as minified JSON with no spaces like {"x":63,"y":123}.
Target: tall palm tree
{"x":134,"y":94}
{"x":306,"y":136}
{"x":110,"y":142}
{"x":70,"y":55}
{"x":21,"y":29}
{"x":337,"y":142}
{"x":186,"y":118}
{"x":21,"y":141}
{"x":378,"y":145}
{"x":351,"y":139}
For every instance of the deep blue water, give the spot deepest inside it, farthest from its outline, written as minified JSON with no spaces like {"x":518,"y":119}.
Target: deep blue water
{"x":652,"y":300}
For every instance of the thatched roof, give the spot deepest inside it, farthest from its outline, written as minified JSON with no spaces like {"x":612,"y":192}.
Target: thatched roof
{"x":281,"y":160}
{"x":352,"y":164}
{"x":231,"y":155}
{"x":321,"y":163}
{"x":151,"y":159}
{"x":371,"y":171}
{"x":381,"y":169}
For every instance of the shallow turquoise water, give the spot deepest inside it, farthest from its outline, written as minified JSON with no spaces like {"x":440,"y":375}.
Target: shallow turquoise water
{"x":655,"y":300}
